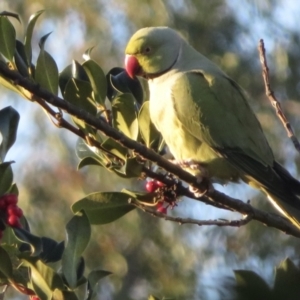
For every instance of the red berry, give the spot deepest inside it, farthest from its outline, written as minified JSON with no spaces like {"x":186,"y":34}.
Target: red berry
{"x":34,"y":298}
{"x":2,"y":204}
{"x":159,"y":183}
{"x":162,"y":210}
{"x":14,"y":210}
{"x":151,"y":186}
{"x":11,"y":199}
{"x":159,"y":204}
{"x":13,"y":221}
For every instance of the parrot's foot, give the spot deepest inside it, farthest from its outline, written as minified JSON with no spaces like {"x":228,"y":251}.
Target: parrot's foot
{"x":201,"y":174}
{"x":199,"y":193}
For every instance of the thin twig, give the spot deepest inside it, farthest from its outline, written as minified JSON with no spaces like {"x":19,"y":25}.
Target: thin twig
{"x":271,"y":96}
{"x":62,"y":123}
{"x":218,"y":222}
{"x":268,"y":219}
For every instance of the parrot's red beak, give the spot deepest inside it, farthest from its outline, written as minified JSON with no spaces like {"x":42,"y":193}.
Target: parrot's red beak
{"x":132,"y":66}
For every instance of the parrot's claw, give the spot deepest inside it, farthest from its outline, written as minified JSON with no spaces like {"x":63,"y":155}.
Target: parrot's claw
{"x":200,"y":193}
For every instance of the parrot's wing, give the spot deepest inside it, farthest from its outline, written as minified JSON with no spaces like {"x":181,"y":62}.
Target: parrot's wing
{"x":214,"y":109}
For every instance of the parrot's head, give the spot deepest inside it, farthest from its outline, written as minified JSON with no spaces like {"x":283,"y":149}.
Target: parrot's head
{"x":152,"y":51}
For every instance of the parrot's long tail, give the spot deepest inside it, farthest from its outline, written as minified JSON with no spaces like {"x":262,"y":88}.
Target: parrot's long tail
{"x":286,"y":195}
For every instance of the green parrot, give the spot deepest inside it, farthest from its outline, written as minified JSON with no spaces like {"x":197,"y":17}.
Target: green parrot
{"x":204,"y":117}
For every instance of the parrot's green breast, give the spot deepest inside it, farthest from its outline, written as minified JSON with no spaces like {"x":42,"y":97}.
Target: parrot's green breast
{"x":182,"y":144}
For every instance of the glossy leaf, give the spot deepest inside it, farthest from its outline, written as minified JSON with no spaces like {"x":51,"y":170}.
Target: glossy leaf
{"x":64,"y":295}
{"x":34,"y":242}
{"x":111,"y":91}
{"x":88,"y":161}
{"x":102,"y":208}
{"x":28,"y":35}
{"x":145,"y":197}
{"x":93,"y":278}
{"x":124,"y":115}
{"x":87,"y":53}
{"x":64,"y":76}
{"x":43,"y":40}
{"x":97,"y":79}
{"x":149,"y":133}
{"x":7,"y":38}
{"x":132,"y":168}
{"x":43,"y":278}
{"x":52,"y":250}
{"x":79,"y":93}
{"x":21,"y":60}
{"x":250,"y":284}
{"x":46,"y":72}
{"x":6,"y":267}
{"x":6,"y":177}
{"x":287,"y":281}
{"x":122,"y":83}
{"x":9,"y":121}
{"x":79,"y":72}
{"x":10,"y":14}
{"x":115,"y":148}
{"x":78,"y":232}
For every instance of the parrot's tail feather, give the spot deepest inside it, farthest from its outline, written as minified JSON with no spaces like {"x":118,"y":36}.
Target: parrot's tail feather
{"x":283,"y":206}
{"x":290,"y":181}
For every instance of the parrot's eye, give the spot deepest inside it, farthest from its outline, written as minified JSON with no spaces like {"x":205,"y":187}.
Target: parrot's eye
{"x":147,"y":50}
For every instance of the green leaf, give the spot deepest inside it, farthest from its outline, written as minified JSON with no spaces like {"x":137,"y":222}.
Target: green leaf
{"x":287,"y":281}
{"x":64,"y":295}
{"x":103,"y":208}
{"x":149,"y":133}
{"x":97,"y":80}
{"x":122,"y":83}
{"x":93,"y":279}
{"x":132,"y":168}
{"x":6,"y":177}
{"x":21,"y":60}
{"x":88,"y":161}
{"x":7,"y":38}
{"x":64,"y":76}
{"x":43,"y":40}
{"x":145,"y":197}
{"x":79,"y":72}
{"x":111,"y":91}
{"x":46,"y":72}
{"x":9,"y":121}
{"x":78,"y":232}
{"x":52,"y":250}
{"x":10,"y":14}
{"x":250,"y":284}
{"x":79,"y":93}
{"x":34,"y":242}
{"x":87,"y":53}
{"x":6,"y":267}
{"x":28,"y":35}
{"x":115,"y":148}
{"x":124,"y":115}
{"x":43,"y":278}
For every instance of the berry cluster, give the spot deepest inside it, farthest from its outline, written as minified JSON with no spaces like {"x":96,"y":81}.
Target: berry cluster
{"x":164,"y":195}
{"x":10,"y":213}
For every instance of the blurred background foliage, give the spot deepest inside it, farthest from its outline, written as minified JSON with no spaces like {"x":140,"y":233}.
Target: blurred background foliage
{"x":145,"y":254}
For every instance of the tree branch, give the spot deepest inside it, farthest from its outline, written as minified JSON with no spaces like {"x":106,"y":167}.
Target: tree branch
{"x":218,"y":222}
{"x":211,"y":197}
{"x":271,"y":96}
